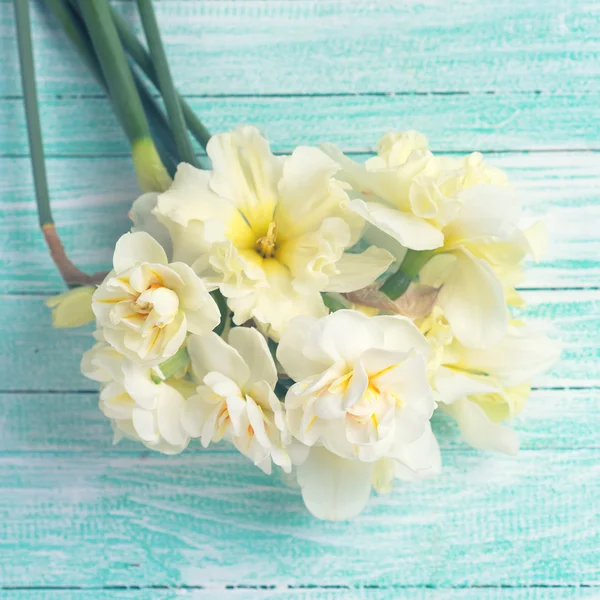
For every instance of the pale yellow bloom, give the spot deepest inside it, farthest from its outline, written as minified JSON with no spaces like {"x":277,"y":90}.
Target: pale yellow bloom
{"x":140,"y":405}
{"x":146,"y":305}
{"x":72,"y":308}
{"x":236,"y":400}
{"x":461,"y":211}
{"x":482,"y":389}
{"x":361,"y":395}
{"x":271,"y":232}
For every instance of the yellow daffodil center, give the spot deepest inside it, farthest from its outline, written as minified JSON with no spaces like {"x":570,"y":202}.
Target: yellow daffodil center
{"x":266,"y":245}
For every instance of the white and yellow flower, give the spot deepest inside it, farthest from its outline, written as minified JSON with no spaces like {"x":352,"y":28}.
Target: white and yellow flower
{"x":139,"y":407}
{"x":146,"y":306}
{"x":271,"y":232}
{"x":236,"y":400}
{"x":482,"y":388}
{"x":462,"y":212}
{"x":361,"y":395}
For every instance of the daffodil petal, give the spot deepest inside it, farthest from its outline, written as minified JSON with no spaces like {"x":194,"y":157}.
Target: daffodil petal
{"x":333,"y":488}
{"x":407,"y":229}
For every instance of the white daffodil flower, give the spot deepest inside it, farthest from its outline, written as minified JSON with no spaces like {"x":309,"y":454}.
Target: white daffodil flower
{"x":481,"y":389}
{"x":462,"y":211}
{"x":236,"y":400}
{"x":146,"y":306}
{"x":361,"y":395}
{"x":271,"y":232}
{"x":139,"y":408}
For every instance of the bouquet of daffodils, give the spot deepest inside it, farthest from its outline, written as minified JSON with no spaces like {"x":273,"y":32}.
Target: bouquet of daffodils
{"x":315,"y":312}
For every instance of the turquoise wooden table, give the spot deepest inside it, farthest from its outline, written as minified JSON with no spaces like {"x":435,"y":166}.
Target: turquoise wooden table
{"x":79,"y":518}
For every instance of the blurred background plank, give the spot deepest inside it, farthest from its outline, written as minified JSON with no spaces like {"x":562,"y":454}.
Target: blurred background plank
{"x":213,"y":519}
{"x":232,"y":47}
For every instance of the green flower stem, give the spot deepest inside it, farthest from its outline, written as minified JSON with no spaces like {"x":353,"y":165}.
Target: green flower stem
{"x":165,"y":81}
{"x":97,"y":16}
{"x":69,"y":272}
{"x":75,"y":30}
{"x":398,"y":283}
{"x":174,"y":364}
{"x":138,"y":53}
{"x":333,"y":303}
{"x":34,"y":129}
{"x":223,"y":309}
{"x":159,"y":126}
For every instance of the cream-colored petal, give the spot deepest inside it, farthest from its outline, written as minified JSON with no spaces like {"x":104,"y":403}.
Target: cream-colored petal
{"x":190,"y":198}
{"x":253,"y":349}
{"x":143,"y":218}
{"x":134,"y":248}
{"x":145,"y":424}
{"x":420,"y":459}
{"x":309,"y":195}
{"x":537,"y":238}
{"x":170,"y":416}
{"x":487,"y":211}
{"x":102,"y":363}
{"x":246,"y":173}
{"x":471,"y":297}
{"x":343,"y":336}
{"x":479,"y":432}
{"x":517,"y":358}
{"x":210,"y":353}
{"x":139,"y":385}
{"x":72,"y":308}
{"x":402,"y":335}
{"x":355,"y":271}
{"x":312,"y":258}
{"x":201,"y":311}
{"x":290,"y":352}
{"x":452,"y":385}
{"x":410,"y":231}
{"x":395,"y":147}
{"x":333,"y":488}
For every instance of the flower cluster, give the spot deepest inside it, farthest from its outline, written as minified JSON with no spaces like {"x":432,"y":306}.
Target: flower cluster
{"x":314,"y":312}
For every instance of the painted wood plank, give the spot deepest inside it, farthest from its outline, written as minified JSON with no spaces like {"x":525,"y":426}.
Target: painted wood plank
{"x":325,"y":46}
{"x":452,"y":123}
{"x":214,"y":519}
{"x":91,"y":197}
{"x":62,"y":422}
{"x":39,"y":358}
{"x":284,"y":593}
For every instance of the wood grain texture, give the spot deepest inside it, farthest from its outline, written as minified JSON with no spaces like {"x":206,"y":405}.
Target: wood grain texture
{"x":452,"y":123}
{"x":230,"y":47}
{"x":285,"y":593}
{"x":214,"y":519}
{"x":82,"y":519}
{"x":72,"y":422}
{"x":91,"y":196}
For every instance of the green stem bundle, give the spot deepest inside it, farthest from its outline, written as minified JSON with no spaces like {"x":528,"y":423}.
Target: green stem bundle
{"x":398,"y":283}
{"x":77,"y":33}
{"x":140,"y":56}
{"x":170,"y":96}
{"x":97,"y":16}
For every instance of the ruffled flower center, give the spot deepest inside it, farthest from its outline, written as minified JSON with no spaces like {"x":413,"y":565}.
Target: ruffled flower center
{"x":149,"y":305}
{"x":266,"y":245}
